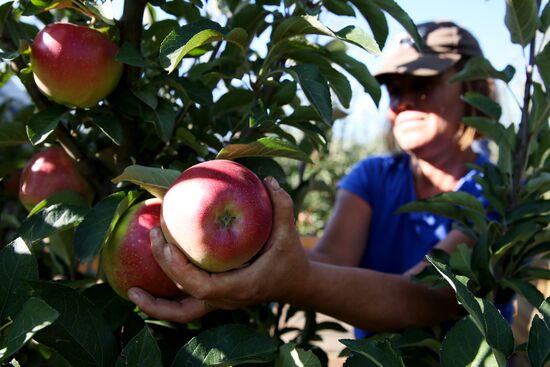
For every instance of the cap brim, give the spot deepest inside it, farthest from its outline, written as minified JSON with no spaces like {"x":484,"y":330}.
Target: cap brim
{"x":414,"y":63}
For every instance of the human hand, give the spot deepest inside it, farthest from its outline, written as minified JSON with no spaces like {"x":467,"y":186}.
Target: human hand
{"x":274,"y":275}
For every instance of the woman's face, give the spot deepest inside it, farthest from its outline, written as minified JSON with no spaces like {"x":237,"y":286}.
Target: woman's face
{"x":425,"y":112}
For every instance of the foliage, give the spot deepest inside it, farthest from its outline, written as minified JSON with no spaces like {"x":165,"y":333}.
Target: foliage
{"x":261,"y":83}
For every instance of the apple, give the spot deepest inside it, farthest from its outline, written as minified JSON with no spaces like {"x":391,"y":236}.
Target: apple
{"x":126,"y":257}
{"x":74,"y":65}
{"x":48,"y":172}
{"x":218,"y":213}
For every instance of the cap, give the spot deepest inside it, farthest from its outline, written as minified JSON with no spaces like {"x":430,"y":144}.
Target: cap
{"x":444,"y":44}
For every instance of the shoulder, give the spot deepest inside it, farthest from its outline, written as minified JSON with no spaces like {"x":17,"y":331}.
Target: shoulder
{"x":384,"y":163}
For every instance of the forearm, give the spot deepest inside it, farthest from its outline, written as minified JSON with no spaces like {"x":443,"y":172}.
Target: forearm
{"x":371,"y":300}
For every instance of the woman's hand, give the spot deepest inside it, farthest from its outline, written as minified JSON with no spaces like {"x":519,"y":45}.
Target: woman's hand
{"x":276,"y":275}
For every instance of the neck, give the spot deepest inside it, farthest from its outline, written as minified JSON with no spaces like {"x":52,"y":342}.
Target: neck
{"x":441,"y":173}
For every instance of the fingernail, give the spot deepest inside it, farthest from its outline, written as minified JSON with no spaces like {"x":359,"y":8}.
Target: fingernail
{"x":134,"y":295}
{"x":167,"y":250}
{"x":273,"y":183}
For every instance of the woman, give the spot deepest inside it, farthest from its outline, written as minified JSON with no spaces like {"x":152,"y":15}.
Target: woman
{"x":359,"y":271}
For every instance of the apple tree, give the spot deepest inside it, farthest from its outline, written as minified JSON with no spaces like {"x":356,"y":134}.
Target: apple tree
{"x":260,"y":83}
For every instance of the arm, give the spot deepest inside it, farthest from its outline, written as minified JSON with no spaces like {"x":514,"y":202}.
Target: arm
{"x":283,"y":273}
{"x":346,"y":233}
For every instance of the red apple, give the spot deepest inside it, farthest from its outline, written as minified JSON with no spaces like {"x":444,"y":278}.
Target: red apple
{"x":48,"y":172}
{"x":218,"y":213}
{"x":74,"y":65}
{"x":126,"y":257}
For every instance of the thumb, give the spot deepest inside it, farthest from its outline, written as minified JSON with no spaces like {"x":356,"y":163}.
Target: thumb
{"x":283,"y":207}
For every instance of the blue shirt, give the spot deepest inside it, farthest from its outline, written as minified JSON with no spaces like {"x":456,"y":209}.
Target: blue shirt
{"x":397,"y":242}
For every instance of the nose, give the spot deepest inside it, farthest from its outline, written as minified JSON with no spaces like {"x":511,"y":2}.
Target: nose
{"x":404,"y":101}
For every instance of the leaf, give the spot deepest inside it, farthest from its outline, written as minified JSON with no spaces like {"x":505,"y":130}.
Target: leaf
{"x":12,"y":133}
{"x":141,"y":351}
{"x":316,"y":89}
{"x":492,"y":130}
{"x":99,"y":222}
{"x":522,"y":20}
{"x":79,"y":334}
{"x":375,"y":18}
{"x":226,"y":345}
{"x":461,"y":259}
{"x":163,"y":117}
{"x":483,"y":103}
{"x":538,"y":345}
{"x":17,"y":265}
{"x":545,"y":18}
{"x":130,"y":55}
{"x":542,"y":60}
{"x":486,"y":317}
{"x":378,"y":351}
{"x":393,"y":9}
{"x":191,"y":141}
{"x":303,"y":25}
{"x":526,"y":289}
{"x":33,"y":317}
{"x":43,"y":123}
{"x":179,"y":43}
{"x":148,"y":95}
{"x":50,"y":220}
{"x":360,"y":72}
{"x":155,"y":180}
{"x":110,"y":126}
{"x":114,"y":309}
{"x":460,"y":351}
{"x":263,"y":147}
{"x":480,"y":68}
{"x":339,"y":7}
{"x":67,"y":197}
{"x":290,"y":356}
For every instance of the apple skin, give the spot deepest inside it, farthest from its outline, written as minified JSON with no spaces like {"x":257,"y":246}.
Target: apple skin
{"x":126,"y":257}
{"x":48,"y":172}
{"x":74,"y":65}
{"x":218,"y":213}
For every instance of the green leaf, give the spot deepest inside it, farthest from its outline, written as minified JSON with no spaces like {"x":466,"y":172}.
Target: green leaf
{"x":545,"y":18}
{"x":33,"y":317}
{"x":378,"y":351}
{"x":62,"y":197}
{"x":396,"y":12}
{"x":290,"y":356}
{"x":12,"y":133}
{"x":263,"y":147}
{"x":492,"y":130}
{"x":303,"y":25}
{"x":227,"y":345}
{"x":315,"y":87}
{"x":163,"y":117}
{"x":114,"y":309}
{"x":375,"y":18}
{"x":99,"y":222}
{"x":360,"y":72}
{"x":43,"y":123}
{"x":339,"y":7}
{"x":130,"y":55}
{"x":522,"y":20}
{"x":17,"y":265}
{"x":486,"y":317}
{"x":79,"y":334}
{"x":141,"y":351}
{"x":50,"y":220}
{"x":464,"y":346}
{"x":461,"y":260}
{"x":483,"y":103}
{"x":109,"y":125}
{"x":155,"y":180}
{"x":286,"y":91}
{"x":538,"y":345}
{"x":191,"y":141}
{"x":526,"y":289}
{"x":179,"y":43}
{"x":542,"y":60}
{"x":480,"y":68}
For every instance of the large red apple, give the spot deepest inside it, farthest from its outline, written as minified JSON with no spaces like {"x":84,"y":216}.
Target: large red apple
{"x":126,"y":258}
{"x":48,"y":172}
{"x":218,"y":213}
{"x":74,"y":65}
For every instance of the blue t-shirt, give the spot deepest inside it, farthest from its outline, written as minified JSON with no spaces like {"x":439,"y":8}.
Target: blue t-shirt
{"x":397,"y":242}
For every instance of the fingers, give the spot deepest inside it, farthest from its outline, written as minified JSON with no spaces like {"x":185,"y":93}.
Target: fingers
{"x":177,"y":267}
{"x":186,"y":310}
{"x":283,"y":207}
